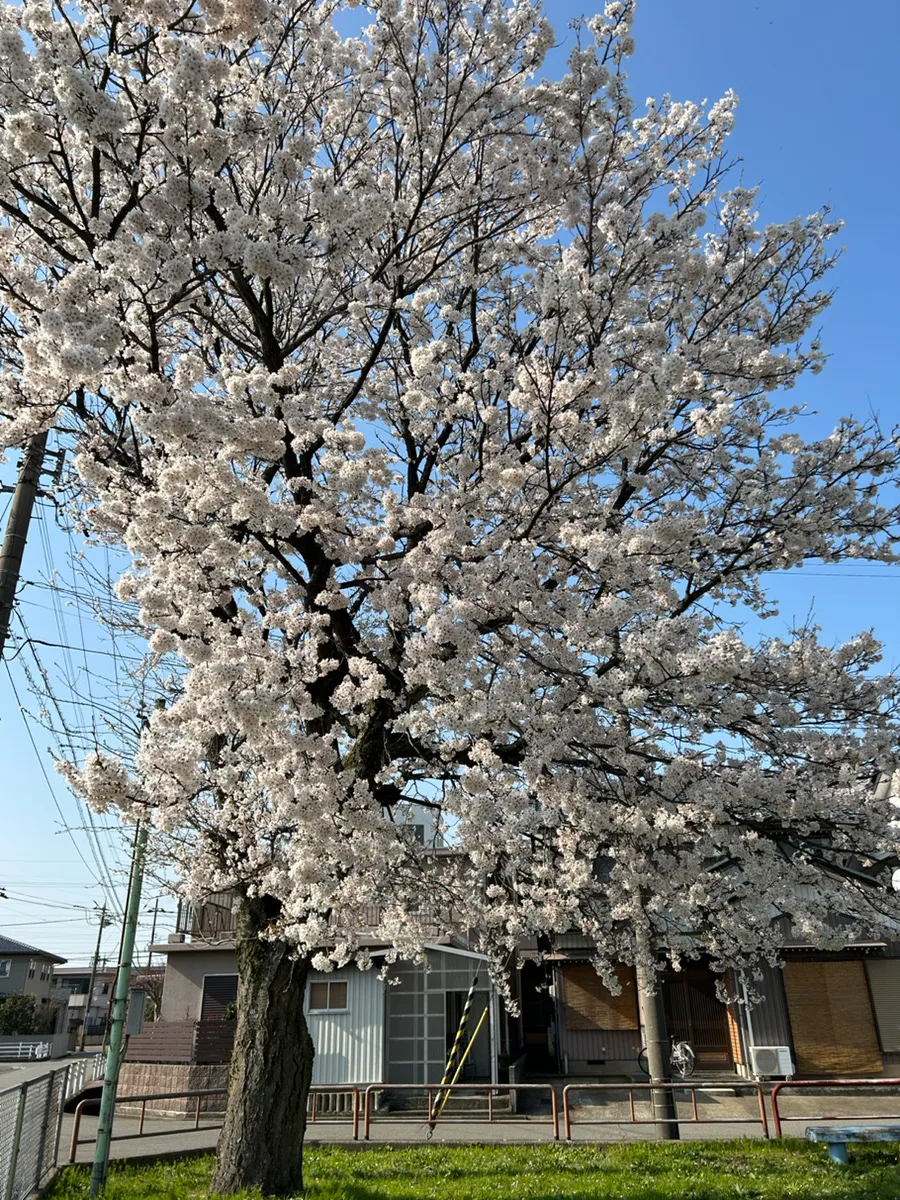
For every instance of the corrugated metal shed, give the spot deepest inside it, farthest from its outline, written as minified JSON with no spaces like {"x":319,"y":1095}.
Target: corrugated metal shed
{"x":350,"y":1045}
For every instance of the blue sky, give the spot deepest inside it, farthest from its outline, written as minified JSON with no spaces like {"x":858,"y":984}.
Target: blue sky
{"x":817,"y":124}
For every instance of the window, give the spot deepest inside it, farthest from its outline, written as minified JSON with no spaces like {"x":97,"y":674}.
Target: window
{"x":45,"y":971}
{"x":5,"y":967}
{"x":219,"y":996}
{"x":328,"y":997}
{"x":104,"y":991}
{"x":31,"y":966}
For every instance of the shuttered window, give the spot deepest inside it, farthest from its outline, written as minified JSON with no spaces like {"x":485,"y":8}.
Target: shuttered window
{"x":831,"y":1018}
{"x":884,"y":984}
{"x":219,"y":992}
{"x":591,"y":1005}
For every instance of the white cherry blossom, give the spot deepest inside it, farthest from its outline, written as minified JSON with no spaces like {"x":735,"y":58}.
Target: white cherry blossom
{"x":439,"y":408}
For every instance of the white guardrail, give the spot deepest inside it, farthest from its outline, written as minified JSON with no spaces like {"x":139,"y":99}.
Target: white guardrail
{"x":19,"y":1051}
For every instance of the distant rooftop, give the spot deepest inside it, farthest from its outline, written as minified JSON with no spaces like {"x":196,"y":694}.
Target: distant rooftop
{"x":11,"y":946}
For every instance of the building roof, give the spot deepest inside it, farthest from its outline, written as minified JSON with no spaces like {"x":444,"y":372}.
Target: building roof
{"x":11,"y":946}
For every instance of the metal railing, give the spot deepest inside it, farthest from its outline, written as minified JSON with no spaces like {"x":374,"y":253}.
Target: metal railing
{"x":19,"y":1051}
{"x":315,"y":1113}
{"x":803,"y":1084}
{"x":198,"y":1095}
{"x":491,"y":1090}
{"x":84,"y":1070}
{"x":30,"y":1125}
{"x":681,"y":1086}
{"x":143,"y":1100}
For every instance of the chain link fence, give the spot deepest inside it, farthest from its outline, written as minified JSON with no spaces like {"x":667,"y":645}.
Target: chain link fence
{"x":30,"y":1123}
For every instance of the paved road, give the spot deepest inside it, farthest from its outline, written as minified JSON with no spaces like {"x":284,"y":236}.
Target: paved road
{"x":12,"y":1074}
{"x":733,"y":1116}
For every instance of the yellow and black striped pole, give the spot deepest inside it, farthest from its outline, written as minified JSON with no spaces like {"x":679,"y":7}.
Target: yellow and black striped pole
{"x":454,"y":1051}
{"x":439,"y":1108}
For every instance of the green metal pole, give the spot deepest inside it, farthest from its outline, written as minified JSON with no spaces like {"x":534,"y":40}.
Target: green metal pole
{"x":117,"y":1023}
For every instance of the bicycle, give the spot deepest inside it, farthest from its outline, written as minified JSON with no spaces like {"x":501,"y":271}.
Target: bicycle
{"x":681,"y":1060}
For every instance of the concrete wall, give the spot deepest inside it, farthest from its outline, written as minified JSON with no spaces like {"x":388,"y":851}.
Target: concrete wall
{"x":142,"y":1079}
{"x":183,"y":988}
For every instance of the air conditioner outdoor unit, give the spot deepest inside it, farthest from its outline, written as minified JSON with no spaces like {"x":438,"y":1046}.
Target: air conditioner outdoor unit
{"x":771,"y":1060}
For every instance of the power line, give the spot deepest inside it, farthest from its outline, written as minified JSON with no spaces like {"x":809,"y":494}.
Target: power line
{"x":43,"y":769}
{"x":52,"y":575}
{"x":46,"y":921}
{"x":25,"y":898}
{"x":104,"y":877}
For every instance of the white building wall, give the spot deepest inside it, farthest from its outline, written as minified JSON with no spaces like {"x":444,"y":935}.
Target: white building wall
{"x":350,"y":1046}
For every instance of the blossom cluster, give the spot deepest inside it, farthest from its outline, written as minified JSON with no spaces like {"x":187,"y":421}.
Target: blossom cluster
{"x":439,"y":407}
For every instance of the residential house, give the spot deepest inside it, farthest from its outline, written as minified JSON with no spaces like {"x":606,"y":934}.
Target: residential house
{"x":72,"y":988}
{"x":364,"y":1030}
{"x":821,"y":1014}
{"x":26,"y":970}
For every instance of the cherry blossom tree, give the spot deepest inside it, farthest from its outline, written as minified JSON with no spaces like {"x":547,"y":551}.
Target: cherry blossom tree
{"x":439,"y":408}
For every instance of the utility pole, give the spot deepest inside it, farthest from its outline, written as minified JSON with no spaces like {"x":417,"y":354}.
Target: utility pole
{"x":24,"y":495}
{"x":90,"y":993}
{"x":120,"y":1005}
{"x":152,"y":933}
{"x":652,"y":1013}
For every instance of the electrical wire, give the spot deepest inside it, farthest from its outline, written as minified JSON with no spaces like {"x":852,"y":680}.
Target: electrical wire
{"x":43,"y":770}
{"x":104,"y":875}
{"x":46,"y":921}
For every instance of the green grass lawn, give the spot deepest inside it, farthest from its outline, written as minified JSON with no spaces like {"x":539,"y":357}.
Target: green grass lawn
{"x":695,"y":1170}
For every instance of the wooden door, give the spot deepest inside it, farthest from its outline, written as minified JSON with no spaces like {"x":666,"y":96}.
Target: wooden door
{"x":695,"y":1014}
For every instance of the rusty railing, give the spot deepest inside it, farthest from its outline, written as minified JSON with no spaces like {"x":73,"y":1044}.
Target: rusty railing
{"x":198,"y":1095}
{"x":335,"y":1115}
{"x":681,"y":1086}
{"x":828,"y":1083}
{"x":431,"y":1090}
{"x":143,"y":1099}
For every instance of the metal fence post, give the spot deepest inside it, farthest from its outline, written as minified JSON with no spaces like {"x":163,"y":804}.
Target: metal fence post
{"x":10,"y":1189}
{"x":63,"y":1097}
{"x":42,"y":1144}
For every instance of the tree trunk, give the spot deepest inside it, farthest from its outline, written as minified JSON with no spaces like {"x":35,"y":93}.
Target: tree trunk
{"x":261,"y":1144}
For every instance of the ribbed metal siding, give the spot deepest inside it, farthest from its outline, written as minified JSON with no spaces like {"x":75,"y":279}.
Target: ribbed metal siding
{"x":600,"y":1045}
{"x":350,"y":1046}
{"x":769,"y":1020}
{"x":884,"y":985}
